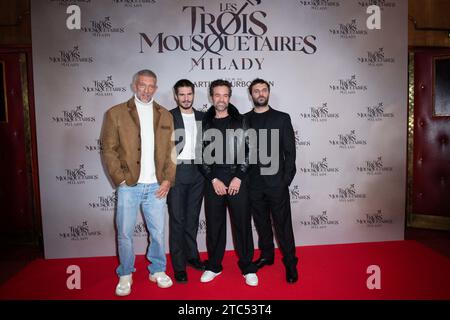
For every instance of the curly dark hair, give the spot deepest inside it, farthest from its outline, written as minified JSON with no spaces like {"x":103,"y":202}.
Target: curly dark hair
{"x":258,"y":81}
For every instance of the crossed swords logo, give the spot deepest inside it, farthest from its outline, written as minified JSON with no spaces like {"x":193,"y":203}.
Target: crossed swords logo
{"x":218,"y":35}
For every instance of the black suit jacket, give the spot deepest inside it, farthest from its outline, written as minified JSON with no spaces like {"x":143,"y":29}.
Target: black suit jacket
{"x":286,"y":152}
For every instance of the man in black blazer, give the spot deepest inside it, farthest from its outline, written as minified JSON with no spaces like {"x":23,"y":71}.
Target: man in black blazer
{"x":270,"y":180}
{"x":185,"y":197}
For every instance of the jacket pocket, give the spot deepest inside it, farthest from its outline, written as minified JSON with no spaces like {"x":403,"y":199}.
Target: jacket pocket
{"x":124,"y":166}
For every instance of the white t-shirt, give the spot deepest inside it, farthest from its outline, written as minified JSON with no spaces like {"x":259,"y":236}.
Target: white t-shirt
{"x":190,"y":129}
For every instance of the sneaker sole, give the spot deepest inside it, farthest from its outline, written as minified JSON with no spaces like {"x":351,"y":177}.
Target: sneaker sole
{"x":160,"y":285}
{"x":164,"y":286}
{"x":119,"y":294}
{"x":251,"y":284}
{"x":210,"y":279}
{"x":126,"y":293}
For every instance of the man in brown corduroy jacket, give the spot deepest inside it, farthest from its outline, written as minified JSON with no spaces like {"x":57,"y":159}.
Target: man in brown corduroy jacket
{"x":140,"y":158}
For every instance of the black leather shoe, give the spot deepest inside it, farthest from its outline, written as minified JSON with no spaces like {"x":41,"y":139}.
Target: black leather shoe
{"x":261,"y":262}
{"x":291,"y":274}
{"x":196,"y":264}
{"x":181,"y":276}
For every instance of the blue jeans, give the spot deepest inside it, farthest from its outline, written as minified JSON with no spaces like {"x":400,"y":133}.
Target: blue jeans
{"x":129,"y":199}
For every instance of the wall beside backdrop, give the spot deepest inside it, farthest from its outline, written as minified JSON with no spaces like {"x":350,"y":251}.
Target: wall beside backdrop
{"x":343,"y":84}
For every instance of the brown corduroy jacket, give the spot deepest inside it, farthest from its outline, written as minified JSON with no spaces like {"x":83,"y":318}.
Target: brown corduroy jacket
{"x":121,"y":141}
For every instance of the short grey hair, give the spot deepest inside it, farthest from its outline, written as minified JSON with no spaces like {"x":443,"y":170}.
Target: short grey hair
{"x":144,"y":72}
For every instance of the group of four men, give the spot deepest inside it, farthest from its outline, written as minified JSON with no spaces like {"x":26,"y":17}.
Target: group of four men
{"x":154,"y":156}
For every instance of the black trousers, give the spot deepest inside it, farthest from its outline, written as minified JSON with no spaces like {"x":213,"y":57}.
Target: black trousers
{"x":273,"y":204}
{"x":184,"y":203}
{"x":240,"y":220}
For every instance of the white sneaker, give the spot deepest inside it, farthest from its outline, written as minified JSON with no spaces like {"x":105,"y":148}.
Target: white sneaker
{"x":251,"y":279}
{"x":124,"y":286}
{"x":208,"y":276}
{"x":162,"y":279}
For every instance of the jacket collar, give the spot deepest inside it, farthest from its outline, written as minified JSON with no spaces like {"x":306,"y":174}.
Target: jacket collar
{"x":253,"y":110}
{"x":132,"y":106}
{"x":232,"y":112}
{"x":135,"y":116}
{"x":178,"y":116}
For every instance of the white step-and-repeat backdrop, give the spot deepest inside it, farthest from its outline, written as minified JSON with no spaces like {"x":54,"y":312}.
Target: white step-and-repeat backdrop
{"x":343,"y":84}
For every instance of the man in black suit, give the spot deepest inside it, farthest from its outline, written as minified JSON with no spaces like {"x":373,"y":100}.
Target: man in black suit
{"x":225,"y":167}
{"x":185,"y":197}
{"x":269,"y":182}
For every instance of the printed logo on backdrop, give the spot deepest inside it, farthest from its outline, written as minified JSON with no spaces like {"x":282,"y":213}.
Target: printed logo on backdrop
{"x":376,"y":58}
{"x":201,"y":226}
{"x":380,"y":3}
{"x":319,"y":168}
{"x":319,"y":114}
{"x":203,"y":108}
{"x":348,"y":141}
{"x":373,"y":220}
{"x":77,"y":176}
{"x":375,"y":113}
{"x":133,"y":3}
{"x":318,"y":221}
{"x":104,"y":87}
{"x":347,"y":194}
{"x":374,"y":167}
{"x":69,"y":2}
{"x":105,"y":203}
{"x":79,"y":232}
{"x":140,"y":230}
{"x":296,"y":195}
{"x":70,"y":58}
{"x":347,"y":86}
{"x":299,"y":142}
{"x":220,"y":28}
{"x":73,"y":118}
{"x":202,"y":83}
{"x":349,"y":30}
{"x":319,"y":4}
{"x":102,"y":27}
{"x":235,"y":83}
{"x":97,"y":147}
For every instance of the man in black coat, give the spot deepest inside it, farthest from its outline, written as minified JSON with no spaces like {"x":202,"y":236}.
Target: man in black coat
{"x":225,"y":165}
{"x":270,"y":180}
{"x":185,"y":197}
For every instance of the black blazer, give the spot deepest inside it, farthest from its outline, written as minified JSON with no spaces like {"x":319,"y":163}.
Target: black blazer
{"x":287,"y":151}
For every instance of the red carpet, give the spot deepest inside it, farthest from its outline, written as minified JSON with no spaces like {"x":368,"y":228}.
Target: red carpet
{"x":409,"y":270}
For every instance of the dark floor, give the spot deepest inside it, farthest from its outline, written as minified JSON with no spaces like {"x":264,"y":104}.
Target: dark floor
{"x":16,"y":256}
{"x":437,"y":240}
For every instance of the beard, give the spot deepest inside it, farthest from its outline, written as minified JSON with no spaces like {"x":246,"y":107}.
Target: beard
{"x":260,"y":102}
{"x":221,"y":106}
{"x":185,"y":104}
{"x":145,"y":98}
